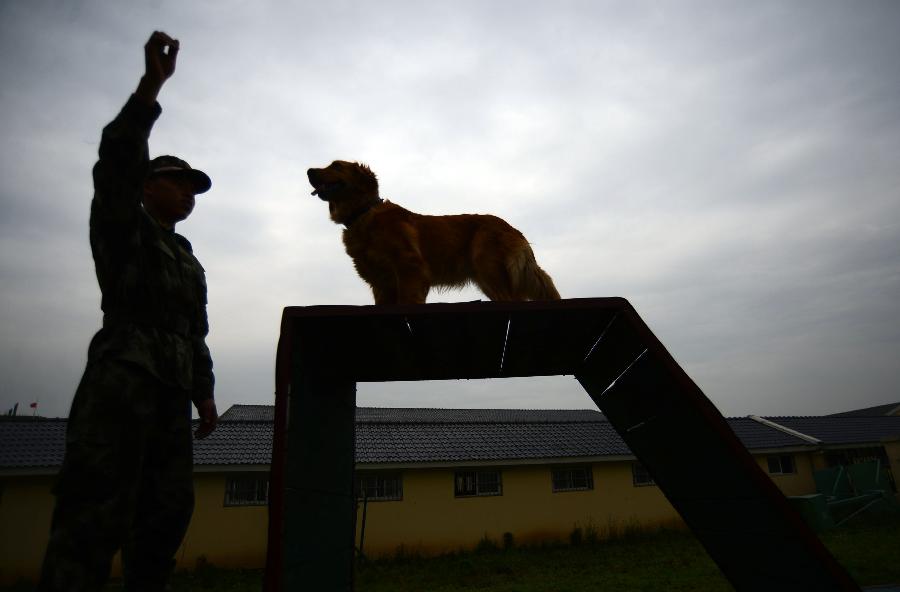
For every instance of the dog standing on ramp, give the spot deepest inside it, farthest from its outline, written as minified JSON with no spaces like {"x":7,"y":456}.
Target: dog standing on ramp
{"x":402,"y":255}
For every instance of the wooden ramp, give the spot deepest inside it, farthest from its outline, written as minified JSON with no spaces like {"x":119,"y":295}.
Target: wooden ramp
{"x":741,"y":518}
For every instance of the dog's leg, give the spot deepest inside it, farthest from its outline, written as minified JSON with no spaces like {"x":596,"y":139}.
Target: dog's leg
{"x":493,"y":276}
{"x":413,"y":281}
{"x":383,"y":296}
{"x":493,"y":279}
{"x":412,"y":289}
{"x":498,"y":295}
{"x":499,"y":253}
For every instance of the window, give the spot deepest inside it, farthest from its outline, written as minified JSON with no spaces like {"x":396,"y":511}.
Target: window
{"x":468,"y":483}
{"x":247,"y":490}
{"x":379,"y":487}
{"x":781,"y":464}
{"x":639,"y":475}
{"x":573,"y":479}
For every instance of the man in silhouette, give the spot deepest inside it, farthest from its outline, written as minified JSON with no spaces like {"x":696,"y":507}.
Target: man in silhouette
{"x":126,"y":479}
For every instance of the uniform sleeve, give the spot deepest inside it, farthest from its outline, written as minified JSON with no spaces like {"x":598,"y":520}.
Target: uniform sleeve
{"x":204,"y":379}
{"x":119,"y":177}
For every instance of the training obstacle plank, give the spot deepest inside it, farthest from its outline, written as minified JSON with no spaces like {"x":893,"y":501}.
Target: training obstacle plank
{"x":729,"y":503}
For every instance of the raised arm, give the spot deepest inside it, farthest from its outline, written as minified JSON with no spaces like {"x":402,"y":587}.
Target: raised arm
{"x":122,"y":167}
{"x":160,"y":54}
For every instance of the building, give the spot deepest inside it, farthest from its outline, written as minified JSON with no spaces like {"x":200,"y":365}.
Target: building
{"x":433,"y":480}
{"x":879,"y":410}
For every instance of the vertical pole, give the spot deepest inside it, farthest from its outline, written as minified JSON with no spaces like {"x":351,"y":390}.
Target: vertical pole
{"x":362,"y":533}
{"x":320,"y":505}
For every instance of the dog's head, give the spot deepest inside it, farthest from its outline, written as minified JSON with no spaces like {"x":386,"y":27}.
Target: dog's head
{"x":343,"y":181}
{"x":346,"y":186}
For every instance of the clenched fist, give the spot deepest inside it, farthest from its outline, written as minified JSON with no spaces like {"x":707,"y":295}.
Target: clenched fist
{"x":160,"y":53}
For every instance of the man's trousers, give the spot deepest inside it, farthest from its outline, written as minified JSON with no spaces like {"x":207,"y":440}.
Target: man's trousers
{"x":125,"y":482}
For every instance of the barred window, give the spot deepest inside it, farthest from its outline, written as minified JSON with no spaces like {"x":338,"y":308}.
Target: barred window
{"x":572,"y":479}
{"x":379,"y":486}
{"x":470,"y":483}
{"x":782,"y":464}
{"x":639,"y":475}
{"x":247,"y":490}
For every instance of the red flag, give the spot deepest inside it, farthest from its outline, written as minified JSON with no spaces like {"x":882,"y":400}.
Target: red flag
{"x":33,"y":405}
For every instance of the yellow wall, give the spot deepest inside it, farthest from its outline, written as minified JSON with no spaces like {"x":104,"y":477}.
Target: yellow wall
{"x":818,"y":460}
{"x":26,"y":506}
{"x":799,"y":483}
{"x":226,"y":536}
{"x":430,"y":519}
{"x":232,"y":536}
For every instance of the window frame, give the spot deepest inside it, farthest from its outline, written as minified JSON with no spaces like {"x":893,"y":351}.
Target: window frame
{"x":639,"y":470}
{"x":780,"y":458}
{"x":589,"y":474}
{"x":381,"y":480}
{"x":477,"y":478}
{"x":237,"y":487}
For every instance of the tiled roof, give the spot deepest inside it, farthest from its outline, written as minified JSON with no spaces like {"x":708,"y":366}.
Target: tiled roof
{"x":468,"y":416}
{"x":385,"y":435}
{"x":448,"y":442}
{"x":249,"y":413}
{"x":456,"y":435}
{"x":236,"y":443}
{"x":888,"y":409}
{"x":756,"y":436}
{"x":422,"y":415}
{"x":40,"y":443}
{"x":31,"y":442}
{"x":833,"y":430}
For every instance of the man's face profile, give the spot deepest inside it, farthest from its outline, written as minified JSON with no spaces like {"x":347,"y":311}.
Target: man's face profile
{"x":169,"y":198}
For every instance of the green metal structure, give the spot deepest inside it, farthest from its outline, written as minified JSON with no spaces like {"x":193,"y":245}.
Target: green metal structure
{"x":845,"y":492}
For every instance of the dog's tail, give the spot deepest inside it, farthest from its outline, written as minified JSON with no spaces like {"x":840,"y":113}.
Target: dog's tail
{"x":530,"y":282}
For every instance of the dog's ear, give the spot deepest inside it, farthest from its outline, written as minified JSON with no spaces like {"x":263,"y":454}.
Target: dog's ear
{"x":369,"y":177}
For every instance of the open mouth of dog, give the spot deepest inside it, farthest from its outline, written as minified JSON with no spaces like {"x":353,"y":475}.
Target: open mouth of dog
{"x":323,"y":190}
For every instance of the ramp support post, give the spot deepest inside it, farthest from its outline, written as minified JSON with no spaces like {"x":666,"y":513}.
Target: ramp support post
{"x":320,"y":502}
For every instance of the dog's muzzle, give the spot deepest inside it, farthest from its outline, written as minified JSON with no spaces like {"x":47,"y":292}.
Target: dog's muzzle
{"x":323,"y":191}
{"x":320,"y":189}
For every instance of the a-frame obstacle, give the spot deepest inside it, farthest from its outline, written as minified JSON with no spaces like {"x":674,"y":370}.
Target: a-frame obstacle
{"x":741,"y":518}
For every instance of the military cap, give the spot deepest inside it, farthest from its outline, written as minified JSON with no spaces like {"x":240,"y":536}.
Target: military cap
{"x":171,"y":165}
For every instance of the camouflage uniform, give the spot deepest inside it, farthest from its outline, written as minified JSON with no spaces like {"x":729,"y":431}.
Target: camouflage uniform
{"x":126,"y":478}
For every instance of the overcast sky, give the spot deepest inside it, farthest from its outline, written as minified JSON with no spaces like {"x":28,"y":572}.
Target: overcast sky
{"x":731,"y":168}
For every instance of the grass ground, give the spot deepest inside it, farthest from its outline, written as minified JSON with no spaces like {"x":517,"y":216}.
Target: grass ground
{"x":668,"y":560}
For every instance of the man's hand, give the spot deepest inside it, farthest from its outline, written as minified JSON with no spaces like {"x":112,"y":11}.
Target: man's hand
{"x":208,"y":418}
{"x":160,"y":53}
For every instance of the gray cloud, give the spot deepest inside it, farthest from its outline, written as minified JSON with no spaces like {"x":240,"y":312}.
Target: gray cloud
{"x":731,"y":170}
